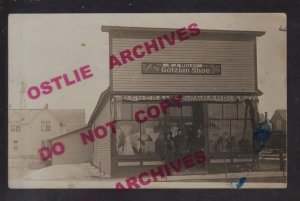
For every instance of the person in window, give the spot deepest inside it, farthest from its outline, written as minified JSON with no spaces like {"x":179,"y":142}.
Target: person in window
{"x":159,"y":142}
{"x":189,"y":140}
{"x":198,"y":141}
{"x":226,"y":143}
{"x":180,"y":144}
{"x":159,"y":145}
{"x":232,"y":143}
{"x":219,"y":145}
{"x":169,"y":148}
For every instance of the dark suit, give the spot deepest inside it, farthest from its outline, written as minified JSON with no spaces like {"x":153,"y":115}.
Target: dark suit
{"x":180,"y":145}
{"x":169,"y":149}
{"x":197,"y":143}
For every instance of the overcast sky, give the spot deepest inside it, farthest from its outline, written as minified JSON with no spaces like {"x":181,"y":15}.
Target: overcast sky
{"x":42,"y":46}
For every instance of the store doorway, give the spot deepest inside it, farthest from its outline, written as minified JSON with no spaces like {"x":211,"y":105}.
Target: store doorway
{"x":190,"y":123}
{"x":198,"y":116}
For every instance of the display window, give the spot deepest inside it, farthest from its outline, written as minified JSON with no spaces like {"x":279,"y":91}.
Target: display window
{"x":215,"y":111}
{"x":230,"y":111}
{"x":161,"y":114}
{"x":187,"y":111}
{"x":226,"y":129}
{"x":219,"y":136}
{"x":133,"y":138}
{"x":241,"y":142}
{"x":136,"y":107}
{"x":128,"y":138}
{"x":150,"y":136}
{"x":123,"y":111}
{"x":241,"y":111}
{"x":174,"y":111}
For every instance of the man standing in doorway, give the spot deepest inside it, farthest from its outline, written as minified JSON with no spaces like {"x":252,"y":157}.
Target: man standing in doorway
{"x":198,"y":141}
{"x":169,"y":148}
{"x":180,"y":144}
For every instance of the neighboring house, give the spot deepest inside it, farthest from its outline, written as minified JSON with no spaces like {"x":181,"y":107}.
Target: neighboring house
{"x":29,"y":129}
{"x":279,"y":122}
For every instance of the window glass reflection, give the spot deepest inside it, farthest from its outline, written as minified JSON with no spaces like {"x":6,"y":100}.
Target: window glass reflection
{"x":229,"y":111}
{"x":123,"y":111}
{"x":215,"y":111}
{"x":219,"y":136}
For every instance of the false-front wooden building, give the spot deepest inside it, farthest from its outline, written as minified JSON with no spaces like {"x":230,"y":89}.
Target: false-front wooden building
{"x":214,"y":72}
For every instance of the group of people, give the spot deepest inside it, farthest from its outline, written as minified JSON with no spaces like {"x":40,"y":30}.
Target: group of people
{"x":171,"y":147}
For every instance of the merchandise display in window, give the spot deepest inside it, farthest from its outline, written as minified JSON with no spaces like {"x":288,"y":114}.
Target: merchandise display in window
{"x":128,"y":138}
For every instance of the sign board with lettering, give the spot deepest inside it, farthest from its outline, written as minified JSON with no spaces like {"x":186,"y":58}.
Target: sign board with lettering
{"x":181,"y":68}
{"x":187,"y":98}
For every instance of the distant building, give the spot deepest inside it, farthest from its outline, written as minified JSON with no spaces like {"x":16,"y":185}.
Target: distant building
{"x":279,"y":122}
{"x":29,"y":129}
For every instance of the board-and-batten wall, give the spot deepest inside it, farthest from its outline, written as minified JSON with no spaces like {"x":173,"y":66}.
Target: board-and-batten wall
{"x":102,"y":147}
{"x":237,"y":59}
{"x":75,"y":151}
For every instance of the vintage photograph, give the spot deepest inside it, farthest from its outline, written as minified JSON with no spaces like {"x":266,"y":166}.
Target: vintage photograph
{"x":133,"y":101}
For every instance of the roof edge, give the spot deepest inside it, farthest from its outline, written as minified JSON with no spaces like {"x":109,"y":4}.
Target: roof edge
{"x":255,"y":93}
{"x":71,"y":132}
{"x":105,"y":28}
{"x":100,"y":103}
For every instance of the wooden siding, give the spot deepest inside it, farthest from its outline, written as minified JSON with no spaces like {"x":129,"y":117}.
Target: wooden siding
{"x":102,"y":147}
{"x":75,"y":150}
{"x":237,"y":59}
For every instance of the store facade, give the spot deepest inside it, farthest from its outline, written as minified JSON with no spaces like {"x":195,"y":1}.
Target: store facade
{"x":214,"y":74}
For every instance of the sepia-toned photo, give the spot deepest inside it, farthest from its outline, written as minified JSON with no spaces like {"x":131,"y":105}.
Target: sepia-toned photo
{"x":134,"y":101}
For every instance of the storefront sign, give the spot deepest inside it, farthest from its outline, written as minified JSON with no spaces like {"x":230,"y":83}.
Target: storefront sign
{"x":167,"y":40}
{"x":216,"y":98}
{"x":181,"y":68}
{"x":144,"y":98}
{"x":190,"y":98}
